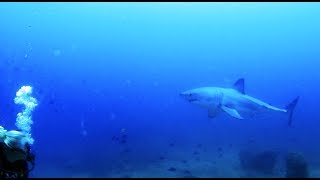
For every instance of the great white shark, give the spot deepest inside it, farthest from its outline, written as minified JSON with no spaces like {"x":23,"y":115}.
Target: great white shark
{"x":234,"y":101}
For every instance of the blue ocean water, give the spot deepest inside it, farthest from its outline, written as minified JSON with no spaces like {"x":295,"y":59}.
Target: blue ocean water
{"x":107,"y":77}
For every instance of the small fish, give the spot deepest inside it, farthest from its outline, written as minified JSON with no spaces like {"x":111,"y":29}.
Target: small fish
{"x":186,"y":172}
{"x":16,"y":68}
{"x":195,"y":153}
{"x":184,"y":161}
{"x":171,"y":144}
{"x":251,"y":140}
{"x":126,"y":150}
{"x":115,"y":138}
{"x":126,"y":176}
{"x":214,"y":162}
{"x":83,"y":82}
{"x":190,"y":176}
{"x":172,"y":169}
{"x":162,"y":158}
{"x":293,"y":139}
{"x":51,"y":101}
{"x":124,"y":136}
{"x":123,"y":130}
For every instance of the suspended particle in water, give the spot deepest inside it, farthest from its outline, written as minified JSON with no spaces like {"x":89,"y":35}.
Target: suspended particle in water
{"x":84,"y":133}
{"x":127,"y":82}
{"x":29,"y":50}
{"x":56,"y":52}
{"x":84,"y":82}
{"x":124,"y":19}
{"x":123,"y":130}
{"x":112,"y":116}
{"x":227,"y":80}
{"x":155,"y":84}
{"x":82,"y":123}
{"x":74,"y":48}
{"x":122,"y":97}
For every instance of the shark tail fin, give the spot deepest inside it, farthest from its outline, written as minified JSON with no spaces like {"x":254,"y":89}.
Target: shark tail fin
{"x":290,"y":108}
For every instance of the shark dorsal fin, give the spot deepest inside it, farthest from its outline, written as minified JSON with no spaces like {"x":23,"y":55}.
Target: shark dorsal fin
{"x":239,"y":85}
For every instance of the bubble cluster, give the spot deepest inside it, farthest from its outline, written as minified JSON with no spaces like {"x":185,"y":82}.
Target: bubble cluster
{"x":24,"y":118}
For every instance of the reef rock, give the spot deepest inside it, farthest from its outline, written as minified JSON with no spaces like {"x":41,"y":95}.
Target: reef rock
{"x":262,"y":162}
{"x":296,"y":166}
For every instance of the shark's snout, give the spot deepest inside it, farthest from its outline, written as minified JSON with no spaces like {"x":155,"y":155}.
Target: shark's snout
{"x":184,"y":94}
{"x":188,"y":96}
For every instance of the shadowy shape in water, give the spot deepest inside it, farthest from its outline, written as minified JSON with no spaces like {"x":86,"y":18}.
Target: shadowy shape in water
{"x":296,"y":166}
{"x":262,"y":162}
{"x":172,"y":169}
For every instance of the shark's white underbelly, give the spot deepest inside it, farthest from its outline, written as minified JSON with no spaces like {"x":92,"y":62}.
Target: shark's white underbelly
{"x":247,"y":103}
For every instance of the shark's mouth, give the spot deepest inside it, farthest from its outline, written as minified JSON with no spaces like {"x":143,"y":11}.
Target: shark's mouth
{"x":192,"y":100}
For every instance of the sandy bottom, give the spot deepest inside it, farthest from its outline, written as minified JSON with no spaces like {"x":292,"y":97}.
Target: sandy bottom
{"x":226,"y":166}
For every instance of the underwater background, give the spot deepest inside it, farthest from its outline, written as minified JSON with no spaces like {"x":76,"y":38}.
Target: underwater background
{"x":107,"y":77}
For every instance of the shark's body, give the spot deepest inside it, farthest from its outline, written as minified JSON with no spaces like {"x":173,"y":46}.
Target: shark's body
{"x":234,"y":101}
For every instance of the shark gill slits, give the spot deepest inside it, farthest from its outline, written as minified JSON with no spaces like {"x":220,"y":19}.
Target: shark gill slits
{"x":192,"y":100}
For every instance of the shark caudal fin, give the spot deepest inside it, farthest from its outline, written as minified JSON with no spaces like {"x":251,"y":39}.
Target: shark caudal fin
{"x":290,"y":108}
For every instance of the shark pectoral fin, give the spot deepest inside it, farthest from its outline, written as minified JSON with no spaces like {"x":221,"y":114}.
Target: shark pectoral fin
{"x":232,"y":112}
{"x":212,"y":112}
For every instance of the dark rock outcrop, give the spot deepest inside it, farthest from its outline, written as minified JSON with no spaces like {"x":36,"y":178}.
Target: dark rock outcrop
{"x":262,"y":162}
{"x":296,"y":166}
